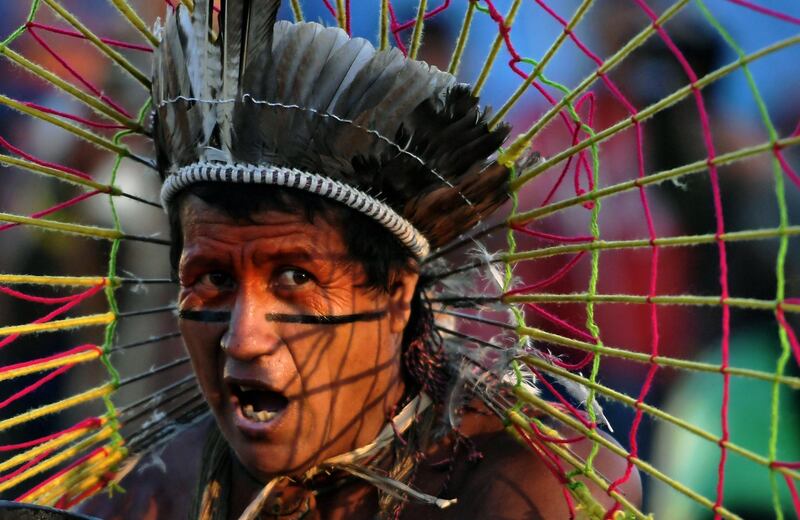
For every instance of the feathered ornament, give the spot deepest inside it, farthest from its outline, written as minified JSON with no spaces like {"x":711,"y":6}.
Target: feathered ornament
{"x":280,"y":97}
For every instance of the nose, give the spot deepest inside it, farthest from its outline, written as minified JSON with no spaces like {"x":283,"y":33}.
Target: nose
{"x":249,"y":334}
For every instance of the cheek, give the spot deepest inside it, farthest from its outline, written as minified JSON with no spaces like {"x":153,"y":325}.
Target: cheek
{"x":349,"y":360}
{"x":202,"y":343}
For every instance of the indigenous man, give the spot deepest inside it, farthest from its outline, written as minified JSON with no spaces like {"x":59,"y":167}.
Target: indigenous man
{"x":307,"y":177}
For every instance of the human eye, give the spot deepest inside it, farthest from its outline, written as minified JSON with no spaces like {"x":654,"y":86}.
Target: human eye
{"x":216,"y":280}
{"x":291,"y":278}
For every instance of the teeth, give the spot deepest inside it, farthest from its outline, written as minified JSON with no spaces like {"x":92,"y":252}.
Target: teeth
{"x":261,"y":416}
{"x":265,"y":416}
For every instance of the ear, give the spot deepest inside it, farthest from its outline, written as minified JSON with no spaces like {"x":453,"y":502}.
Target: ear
{"x":400,"y":294}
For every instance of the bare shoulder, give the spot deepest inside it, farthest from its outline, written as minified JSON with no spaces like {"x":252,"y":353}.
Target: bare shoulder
{"x":162,"y":484}
{"x":510,"y":482}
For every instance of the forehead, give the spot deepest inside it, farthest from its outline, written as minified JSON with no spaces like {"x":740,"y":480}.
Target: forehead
{"x":202,"y":222}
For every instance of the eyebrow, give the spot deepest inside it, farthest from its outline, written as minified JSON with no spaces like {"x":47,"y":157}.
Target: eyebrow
{"x":208,"y":316}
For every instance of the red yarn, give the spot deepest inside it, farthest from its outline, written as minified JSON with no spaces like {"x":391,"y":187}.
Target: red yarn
{"x":41,"y":381}
{"x":61,"y":310}
{"x":92,"y":422}
{"x":53,"y":209}
{"x":765,"y":10}
{"x":40,"y":162}
{"x":73,"y":117}
{"x":110,"y":102}
{"x":76,"y":34}
{"x":78,"y":462}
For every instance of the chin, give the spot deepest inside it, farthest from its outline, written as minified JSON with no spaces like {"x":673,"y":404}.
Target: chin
{"x":270,"y":448}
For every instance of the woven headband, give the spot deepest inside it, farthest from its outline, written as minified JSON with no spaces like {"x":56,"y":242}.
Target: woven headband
{"x":273,"y":175}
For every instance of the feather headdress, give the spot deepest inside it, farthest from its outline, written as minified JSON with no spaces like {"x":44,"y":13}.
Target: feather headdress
{"x":306,"y":106}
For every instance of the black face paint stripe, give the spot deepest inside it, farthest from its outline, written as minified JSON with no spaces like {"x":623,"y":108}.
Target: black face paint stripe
{"x":326,"y":319}
{"x":225,"y":316}
{"x":206,"y":316}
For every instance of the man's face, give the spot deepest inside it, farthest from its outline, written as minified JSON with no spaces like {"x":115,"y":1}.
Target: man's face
{"x":297,"y":359}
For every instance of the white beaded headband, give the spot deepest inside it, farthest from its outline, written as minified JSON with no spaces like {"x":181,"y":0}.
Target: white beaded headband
{"x":293,"y":178}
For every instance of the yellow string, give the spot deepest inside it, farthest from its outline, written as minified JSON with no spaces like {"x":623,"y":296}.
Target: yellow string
{"x":67,"y":323}
{"x":50,"y":445}
{"x":118,"y":58}
{"x":98,"y":106}
{"x":52,"y":280}
{"x":297,"y":10}
{"x":58,"y":406}
{"x":495,"y":48}
{"x":136,"y":21}
{"x":69,"y":127}
{"x":57,"y":459}
{"x":52,"y":172}
{"x":588,"y":506}
{"x":461,"y":42}
{"x":64,"y":227}
{"x":416,"y":37}
{"x":73,"y":359}
{"x":80,"y":478}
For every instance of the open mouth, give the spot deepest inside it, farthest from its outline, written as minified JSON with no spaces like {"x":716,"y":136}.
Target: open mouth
{"x":258,"y":404}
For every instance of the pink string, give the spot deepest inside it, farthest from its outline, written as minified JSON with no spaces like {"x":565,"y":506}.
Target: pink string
{"x":53,"y":209}
{"x":558,"y":275}
{"x":583,"y":162}
{"x":795,"y":496}
{"x":790,"y":465}
{"x":74,"y":117}
{"x":723,"y":262}
{"x":31,"y":463}
{"x":573,"y":366}
{"x":41,"y":381}
{"x":516,"y":58}
{"x":61,"y":310}
{"x":576,"y":133}
{"x":555,"y":440}
{"x":40,"y":162}
{"x":574,"y":411}
{"x":654,"y":332}
{"x":769,"y":12}
{"x":554,"y":238}
{"x":651,"y":230}
{"x":396,"y":28}
{"x":63,"y":503}
{"x":76,"y":34}
{"x":92,"y":422}
{"x":60,"y":355}
{"x":561,"y":323}
{"x":110,"y":102}
{"x":789,"y":333}
{"x":552,"y":463}
{"x":787,"y":169}
{"x":330,"y":8}
{"x":75,"y":464}
{"x":35,"y":299}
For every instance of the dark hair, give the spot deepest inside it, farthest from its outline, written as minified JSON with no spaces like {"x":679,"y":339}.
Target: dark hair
{"x":367,"y":242}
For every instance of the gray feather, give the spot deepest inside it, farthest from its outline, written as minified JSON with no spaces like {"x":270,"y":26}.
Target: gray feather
{"x":309,"y":97}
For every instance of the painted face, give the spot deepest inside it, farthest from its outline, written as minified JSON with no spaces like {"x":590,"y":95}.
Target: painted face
{"x":297,"y":359}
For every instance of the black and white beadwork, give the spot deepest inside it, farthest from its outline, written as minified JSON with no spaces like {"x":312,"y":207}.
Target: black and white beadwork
{"x":298,"y":179}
